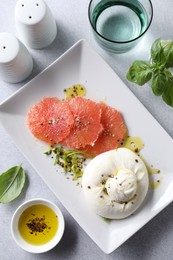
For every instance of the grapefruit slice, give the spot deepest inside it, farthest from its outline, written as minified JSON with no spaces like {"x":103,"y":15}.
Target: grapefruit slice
{"x":87,"y":126}
{"x":50,"y":120}
{"x":113,"y":134}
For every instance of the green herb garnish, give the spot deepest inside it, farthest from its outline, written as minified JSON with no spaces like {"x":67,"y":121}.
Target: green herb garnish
{"x":156,"y":70}
{"x":70,"y":160}
{"x":11,"y":184}
{"x":106,"y":219}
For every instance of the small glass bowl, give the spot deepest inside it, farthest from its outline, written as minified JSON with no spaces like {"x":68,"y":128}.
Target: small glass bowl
{"x":118,"y":25}
{"x":37,"y":248}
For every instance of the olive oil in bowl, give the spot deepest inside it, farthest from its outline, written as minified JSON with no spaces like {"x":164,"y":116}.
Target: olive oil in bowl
{"x":38,"y":224}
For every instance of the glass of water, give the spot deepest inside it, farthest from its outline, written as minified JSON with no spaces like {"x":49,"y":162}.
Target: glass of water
{"x":118,"y":25}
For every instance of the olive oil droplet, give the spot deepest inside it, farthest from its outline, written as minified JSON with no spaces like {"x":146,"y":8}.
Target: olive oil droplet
{"x":75,"y":90}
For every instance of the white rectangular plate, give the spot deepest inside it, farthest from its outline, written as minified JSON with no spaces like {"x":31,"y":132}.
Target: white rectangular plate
{"x":80,"y":64}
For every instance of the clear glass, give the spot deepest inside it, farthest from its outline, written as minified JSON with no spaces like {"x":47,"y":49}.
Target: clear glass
{"x":118,"y":25}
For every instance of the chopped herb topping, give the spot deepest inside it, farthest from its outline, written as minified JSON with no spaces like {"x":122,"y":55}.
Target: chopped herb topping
{"x":71,"y":161}
{"x":48,"y":152}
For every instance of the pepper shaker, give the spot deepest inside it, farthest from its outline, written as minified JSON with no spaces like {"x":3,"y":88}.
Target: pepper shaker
{"x":16,"y":63}
{"x":35,"y":23}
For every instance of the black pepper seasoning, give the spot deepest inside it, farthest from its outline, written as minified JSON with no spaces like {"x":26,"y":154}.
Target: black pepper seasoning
{"x":37,"y":225}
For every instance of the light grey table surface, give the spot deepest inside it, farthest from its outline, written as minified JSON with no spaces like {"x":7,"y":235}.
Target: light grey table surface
{"x":155,"y":239}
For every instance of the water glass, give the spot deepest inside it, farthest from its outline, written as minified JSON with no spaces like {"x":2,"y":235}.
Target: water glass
{"x":118,"y":25}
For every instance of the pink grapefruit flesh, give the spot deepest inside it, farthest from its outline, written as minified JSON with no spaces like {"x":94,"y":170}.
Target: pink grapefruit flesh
{"x":50,"y":120}
{"x":113,"y":134}
{"x":87,"y":126}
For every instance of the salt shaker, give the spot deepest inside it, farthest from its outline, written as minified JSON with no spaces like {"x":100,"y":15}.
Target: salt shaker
{"x":16,"y":63}
{"x":35,"y":23}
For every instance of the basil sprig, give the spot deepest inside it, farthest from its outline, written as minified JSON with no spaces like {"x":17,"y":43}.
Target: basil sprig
{"x":156,"y":70}
{"x":11,"y":184}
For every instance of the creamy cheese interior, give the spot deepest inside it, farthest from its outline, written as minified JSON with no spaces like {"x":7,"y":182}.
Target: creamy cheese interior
{"x":123,"y":186}
{"x":115,"y":183}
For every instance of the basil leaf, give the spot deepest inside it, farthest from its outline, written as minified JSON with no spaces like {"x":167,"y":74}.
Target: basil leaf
{"x":162,"y":52}
{"x":168,"y":52}
{"x":157,"y":69}
{"x":140,"y":72}
{"x":157,"y":52}
{"x":169,"y":63}
{"x":167,"y":46}
{"x":168,"y":93}
{"x":11,"y":184}
{"x":159,"y":83}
